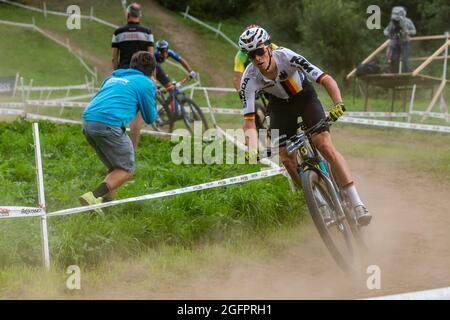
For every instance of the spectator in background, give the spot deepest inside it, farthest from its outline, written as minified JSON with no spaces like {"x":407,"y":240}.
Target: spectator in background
{"x":130,"y":38}
{"x":126,"y":41}
{"x":399,"y":30}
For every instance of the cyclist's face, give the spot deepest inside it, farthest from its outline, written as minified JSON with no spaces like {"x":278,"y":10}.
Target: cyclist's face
{"x":259,"y":57}
{"x":163,"y":53}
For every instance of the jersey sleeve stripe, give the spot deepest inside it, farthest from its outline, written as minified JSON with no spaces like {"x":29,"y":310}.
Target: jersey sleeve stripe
{"x":250,"y":116}
{"x":322,"y":77}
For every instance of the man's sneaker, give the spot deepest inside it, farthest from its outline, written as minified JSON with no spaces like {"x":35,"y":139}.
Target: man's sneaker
{"x":326,"y":214}
{"x":362,"y":215}
{"x":88,"y":199}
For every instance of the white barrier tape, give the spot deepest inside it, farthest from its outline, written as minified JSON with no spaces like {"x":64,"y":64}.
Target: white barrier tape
{"x":436,"y":115}
{"x":241,"y":146}
{"x":32,"y":116}
{"x":222,"y":110}
{"x":53,"y":103}
{"x":57,"y":13}
{"x":434,"y":294}
{"x":20,"y":212}
{"x":51,"y":88}
{"x":218,"y":89}
{"x":12,"y":104}
{"x":52,"y":119}
{"x":378,"y":114}
{"x":12,"y":112}
{"x":198,"y":187}
{"x":85,"y":96}
{"x":395,"y":124}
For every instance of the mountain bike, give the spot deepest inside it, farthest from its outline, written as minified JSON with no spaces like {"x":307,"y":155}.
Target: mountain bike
{"x":174,"y":105}
{"x":328,"y":205}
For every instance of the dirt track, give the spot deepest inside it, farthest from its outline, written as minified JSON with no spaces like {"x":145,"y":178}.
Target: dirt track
{"x":409,"y":240}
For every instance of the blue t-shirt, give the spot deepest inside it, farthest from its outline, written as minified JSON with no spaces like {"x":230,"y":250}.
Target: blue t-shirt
{"x":120,"y":97}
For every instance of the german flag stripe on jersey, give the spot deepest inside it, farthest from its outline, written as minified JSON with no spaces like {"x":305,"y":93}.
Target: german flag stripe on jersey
{"x":321,"y":78}
{"x":290,"y":86}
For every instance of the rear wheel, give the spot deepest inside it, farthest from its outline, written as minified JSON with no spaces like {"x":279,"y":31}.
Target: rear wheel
{"x":191,"y":113}
{"x":332,"y":226}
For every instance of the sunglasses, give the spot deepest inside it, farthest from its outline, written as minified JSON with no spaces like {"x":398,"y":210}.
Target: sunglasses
{"x":257,"y":52}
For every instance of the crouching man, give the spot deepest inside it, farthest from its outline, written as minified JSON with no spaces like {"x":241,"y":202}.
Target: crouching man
{"x":121,"y":96}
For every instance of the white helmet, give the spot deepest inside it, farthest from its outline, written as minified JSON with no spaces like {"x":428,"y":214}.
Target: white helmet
{"x":251,"y":38}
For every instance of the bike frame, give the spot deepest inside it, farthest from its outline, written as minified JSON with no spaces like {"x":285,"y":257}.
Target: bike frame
{"x":312,"y":160}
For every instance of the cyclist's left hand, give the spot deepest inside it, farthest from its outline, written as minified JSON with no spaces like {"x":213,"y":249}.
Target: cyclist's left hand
{"x":192,"y":74}
{"x":337,"y":111}
{"x":252,"y":155}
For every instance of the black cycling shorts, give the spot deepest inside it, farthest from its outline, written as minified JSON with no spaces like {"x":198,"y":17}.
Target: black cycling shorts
{"x":284,"y":113}
{"x":161,"y":76}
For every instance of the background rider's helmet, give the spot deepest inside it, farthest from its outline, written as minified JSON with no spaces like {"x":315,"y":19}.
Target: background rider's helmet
{"x":251,"y":38}
{"x":162,"y":45}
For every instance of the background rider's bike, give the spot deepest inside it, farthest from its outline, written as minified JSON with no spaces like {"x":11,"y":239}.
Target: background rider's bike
{"x":174,"y":105}
{"x":328,"y":205}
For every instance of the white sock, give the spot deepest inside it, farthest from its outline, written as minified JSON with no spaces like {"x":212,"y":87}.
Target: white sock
{"x":353,"y":196}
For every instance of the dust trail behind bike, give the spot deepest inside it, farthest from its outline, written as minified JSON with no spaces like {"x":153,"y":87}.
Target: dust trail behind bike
{"x":408,"y":237}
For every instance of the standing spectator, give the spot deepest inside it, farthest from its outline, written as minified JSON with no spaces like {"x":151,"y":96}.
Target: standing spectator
{"x":127,"y":40}
{"x":130,"y":38}
{"x":121,"y":96}
{"x":399,"y":30}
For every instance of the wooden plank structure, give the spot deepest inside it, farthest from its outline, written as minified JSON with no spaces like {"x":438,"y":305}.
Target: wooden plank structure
{"x":409,"y":81}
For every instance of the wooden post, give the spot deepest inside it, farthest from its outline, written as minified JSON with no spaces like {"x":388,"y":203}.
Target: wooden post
{"x":411,"y":102}
{"x":431,"y":58}
{"x":45,"y":10}
{"x":436,"y":96}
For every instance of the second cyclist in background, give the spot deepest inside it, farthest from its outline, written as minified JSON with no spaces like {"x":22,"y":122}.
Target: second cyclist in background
{"x":163,"y":52}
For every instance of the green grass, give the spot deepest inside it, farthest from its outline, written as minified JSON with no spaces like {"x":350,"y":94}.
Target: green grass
{"x":71,"y":168}
{"x":22,"y":52}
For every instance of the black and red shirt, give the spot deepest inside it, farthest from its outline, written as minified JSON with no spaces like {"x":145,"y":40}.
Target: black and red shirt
{"x":129,"y":39}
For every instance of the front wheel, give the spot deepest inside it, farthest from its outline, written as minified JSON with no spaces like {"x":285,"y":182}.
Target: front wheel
{"x":191,"y":113}
{"x":331,"y":224}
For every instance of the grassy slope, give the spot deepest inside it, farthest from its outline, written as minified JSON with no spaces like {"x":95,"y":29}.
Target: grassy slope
{"x":71,"y":168}
{"x":15,"y":49}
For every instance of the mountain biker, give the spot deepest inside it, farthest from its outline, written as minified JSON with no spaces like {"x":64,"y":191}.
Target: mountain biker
{"x":163,"y":52}
{"x":241,"y":61}
{"x":283,"y":74}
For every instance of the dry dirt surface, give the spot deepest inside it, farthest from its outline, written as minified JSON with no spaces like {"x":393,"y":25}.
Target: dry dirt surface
{"x":408,"y":239}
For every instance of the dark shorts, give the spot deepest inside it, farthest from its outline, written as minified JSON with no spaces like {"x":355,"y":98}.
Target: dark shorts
{"x":161,"y":76}
{"x":284,"y":114}
{"x":112,"y":145}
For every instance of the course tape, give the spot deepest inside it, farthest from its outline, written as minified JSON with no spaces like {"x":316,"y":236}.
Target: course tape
{"x":377,"y":114}
{"x":208,"y":185}
{"x":20,"y":212}
{"x":12,"y":112}
{"x":12,"y":104}
{"x":434,"y":294}
{"x":395,"y":124}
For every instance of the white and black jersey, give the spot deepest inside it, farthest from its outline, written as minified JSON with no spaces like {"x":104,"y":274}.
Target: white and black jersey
{"x":293,"y":69}
{"x":129,"y":39}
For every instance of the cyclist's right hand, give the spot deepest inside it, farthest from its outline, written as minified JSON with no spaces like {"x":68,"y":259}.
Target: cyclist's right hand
{"x":337,"y":111}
